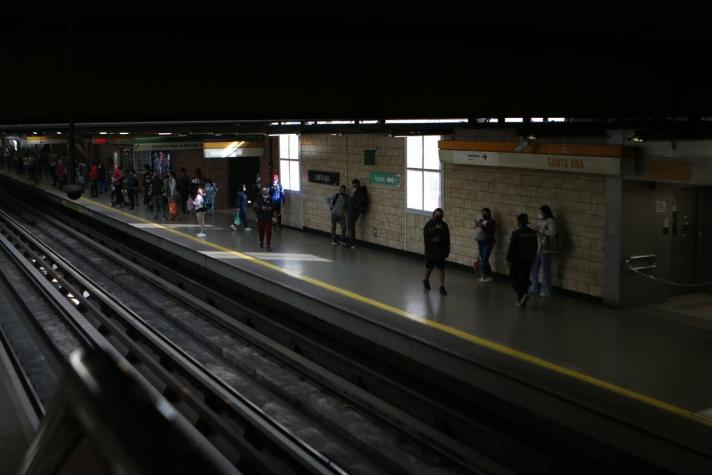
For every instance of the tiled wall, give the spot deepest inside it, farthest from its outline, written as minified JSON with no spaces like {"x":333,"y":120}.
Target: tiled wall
{"x":577,"y":201}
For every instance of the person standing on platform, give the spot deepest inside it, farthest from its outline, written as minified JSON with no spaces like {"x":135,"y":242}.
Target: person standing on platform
{"x":264,"y":211}
{"x":357,"y":206}
{"x":520,"y":257}
{"x":241,"y":206}
{"x":436,"y":235}
{"x":157,"y":196}
{"x":94,"y":179}
{"x":132,"y":188}
{"x":172,"y":194}
{"x":183,"y":188}
{"x":338,"y":204}
{"x":211,"y":190}
{"x":276,"y":193}
{"x":484,"y":235}
{"x":147,"y":186}
{"x":256,"y":188}
{"x":548,"y":245}
{"x":200,"y":210}
{"x":117,"y":185}
{"x":102,"y":178}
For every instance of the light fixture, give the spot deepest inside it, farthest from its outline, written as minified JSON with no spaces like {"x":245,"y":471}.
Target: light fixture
{"x":123,"y":133}
{"x":165,"y":133}
{"x":637,"y":139}
{"x":59,"y":133}
{"x":103,"y":133}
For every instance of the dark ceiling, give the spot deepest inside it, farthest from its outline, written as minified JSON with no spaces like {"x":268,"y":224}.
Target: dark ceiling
{"x":161,"y":61}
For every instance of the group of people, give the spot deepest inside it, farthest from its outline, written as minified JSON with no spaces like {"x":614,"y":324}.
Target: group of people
{"x":530,"y":251}
{"x":345,"y":211}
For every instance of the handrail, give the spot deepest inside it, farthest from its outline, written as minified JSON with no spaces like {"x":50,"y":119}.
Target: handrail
{"x":106,"y":418}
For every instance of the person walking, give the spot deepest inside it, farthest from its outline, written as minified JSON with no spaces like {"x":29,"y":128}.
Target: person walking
{"x":276,"y":193}
{"x":241,"y":206}
{"x":264,"y":211}
{"x":200,"y":210}
{"x":338,"y":204}
{"x":520,"y":257}
{"x":484,"y":235}
{"x":436,"y":236}
{"x":548,"y":245}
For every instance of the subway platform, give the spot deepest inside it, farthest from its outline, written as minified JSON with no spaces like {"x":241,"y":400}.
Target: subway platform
{"x":639,"y":367}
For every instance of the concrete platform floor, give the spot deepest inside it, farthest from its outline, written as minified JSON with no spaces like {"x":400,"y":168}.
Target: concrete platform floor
{"x":655,"y":357}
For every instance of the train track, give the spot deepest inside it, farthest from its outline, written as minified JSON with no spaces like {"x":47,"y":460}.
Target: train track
{"x":268,"y":409}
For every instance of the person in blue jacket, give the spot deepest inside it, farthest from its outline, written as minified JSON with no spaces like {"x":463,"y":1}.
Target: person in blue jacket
{"x":241,"y":205}
{"x":276,"y":194}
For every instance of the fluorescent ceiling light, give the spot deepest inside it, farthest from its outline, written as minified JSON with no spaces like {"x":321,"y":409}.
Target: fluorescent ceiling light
{"x":425,"y":121}
{"x":123,"y":133}
{"x":103,"y":133}
{"x":59,"y":133}
{"x":493,"y":120}
{"x":537,"y":119}
{"x":556,"y":119}
{"x":291,"y":123}
{"x":335,"y":122}
{"x":165,"y":133}
{"x":513,"y":119}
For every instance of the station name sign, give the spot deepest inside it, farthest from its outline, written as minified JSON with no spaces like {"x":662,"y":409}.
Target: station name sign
{"x":593,"y":159}
{"x":154,"y":146}
{"x":325,"y":178}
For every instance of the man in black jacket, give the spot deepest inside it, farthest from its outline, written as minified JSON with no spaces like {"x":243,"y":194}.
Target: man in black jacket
{"x":436,"y":236}
{"x":357,"y":206}
{"x":520,"y":257}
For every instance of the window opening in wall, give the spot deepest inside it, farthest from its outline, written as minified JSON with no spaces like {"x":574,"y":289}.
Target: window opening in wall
{"x":423,"y":172}
{"x":289,"y":161}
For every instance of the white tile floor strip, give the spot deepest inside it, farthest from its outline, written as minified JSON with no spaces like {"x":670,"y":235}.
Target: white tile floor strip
{"x":268,"y":256}
{"x":169,"y":225}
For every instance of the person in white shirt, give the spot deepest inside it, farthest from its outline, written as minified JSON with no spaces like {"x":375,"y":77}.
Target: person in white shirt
{"x":200,"y":210}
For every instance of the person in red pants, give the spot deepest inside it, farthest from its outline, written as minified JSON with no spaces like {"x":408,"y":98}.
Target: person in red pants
{"x":263,"y":209}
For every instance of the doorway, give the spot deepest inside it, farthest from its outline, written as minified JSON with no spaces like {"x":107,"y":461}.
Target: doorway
{"x":242,"y":170}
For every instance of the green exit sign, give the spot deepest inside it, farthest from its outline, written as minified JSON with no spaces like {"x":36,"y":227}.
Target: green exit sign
{"x":384,"y":179}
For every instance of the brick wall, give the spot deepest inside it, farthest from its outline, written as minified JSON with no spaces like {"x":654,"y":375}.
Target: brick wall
{"x":577,"y":201}
{"x":383,"y":224}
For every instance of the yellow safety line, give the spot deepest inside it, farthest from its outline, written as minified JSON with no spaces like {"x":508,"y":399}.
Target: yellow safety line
{"x":477,"y":340}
